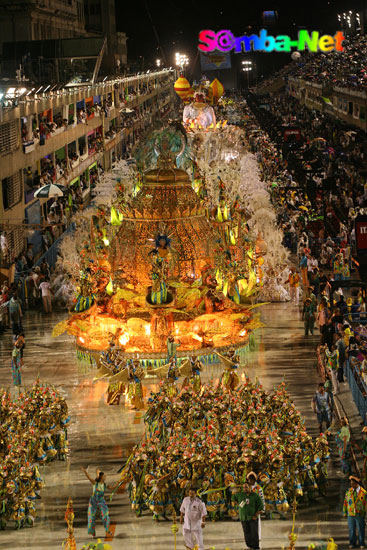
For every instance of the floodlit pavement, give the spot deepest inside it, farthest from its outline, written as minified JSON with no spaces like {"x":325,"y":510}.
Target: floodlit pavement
{"x":102,"y":437}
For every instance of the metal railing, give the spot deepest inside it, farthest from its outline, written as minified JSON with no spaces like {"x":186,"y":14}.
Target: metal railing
{"x":50,"y":256}
{"x":339,"y":408}
{"x":358,"y":389}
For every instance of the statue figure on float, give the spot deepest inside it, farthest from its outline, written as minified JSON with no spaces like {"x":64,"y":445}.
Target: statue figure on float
{"x":199,"y":113}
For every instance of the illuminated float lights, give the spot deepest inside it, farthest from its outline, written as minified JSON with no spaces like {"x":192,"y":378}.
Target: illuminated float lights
{"x":159,"y":359}
{"x":138,"y":336}
{"x":193,"y":126}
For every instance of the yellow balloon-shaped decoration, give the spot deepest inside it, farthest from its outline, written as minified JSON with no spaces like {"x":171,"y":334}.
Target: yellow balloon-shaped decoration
{"x":182,"y":87}
{"x":109,"y":287}
{"x":217,"y":89}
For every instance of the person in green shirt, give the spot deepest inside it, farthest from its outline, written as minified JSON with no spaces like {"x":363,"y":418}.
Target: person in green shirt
{"x":308,"y":316}
{"x":250,"y":507}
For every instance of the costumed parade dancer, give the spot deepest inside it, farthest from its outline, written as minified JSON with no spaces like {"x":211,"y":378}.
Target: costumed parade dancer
{"x":170,"y":373}
{"x":16,"y":358}
{"x":33,"y":431}
{"x":191,"y":369}
{"x":229,"y":378}
{"x":172,"y":377}
{"x":97,"y":502}
{"x":124,"y":376}
{"x":172,"y":347}
{"x":113,"y":362}
{"x":160,"y":257}
{"x":135,"y":390}
{"x":218,"y":440}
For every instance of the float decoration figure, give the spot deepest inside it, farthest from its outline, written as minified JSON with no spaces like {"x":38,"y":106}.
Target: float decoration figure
{"x":198,"y":114}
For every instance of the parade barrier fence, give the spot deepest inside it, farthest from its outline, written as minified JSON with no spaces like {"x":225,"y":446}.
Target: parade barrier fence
{"x":357,"y":385}
{"x":50,"y":256}
{"x":321,"y":365}
{"x":358,"y":389}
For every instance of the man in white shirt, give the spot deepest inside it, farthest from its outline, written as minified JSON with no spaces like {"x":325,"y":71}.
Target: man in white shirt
{"x":193,"y":513}
{"x":45,"y":288}
{"x":312,"y":263}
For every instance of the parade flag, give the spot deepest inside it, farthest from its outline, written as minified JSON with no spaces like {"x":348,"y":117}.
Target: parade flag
{"x":327,"y":100}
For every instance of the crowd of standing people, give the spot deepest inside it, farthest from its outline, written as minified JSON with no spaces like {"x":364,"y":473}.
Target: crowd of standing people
{"x":318,"y":185}
{"x":345,"y":69}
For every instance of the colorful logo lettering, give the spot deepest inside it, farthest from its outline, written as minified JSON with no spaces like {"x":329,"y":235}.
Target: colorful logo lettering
{"x":225,"y":41}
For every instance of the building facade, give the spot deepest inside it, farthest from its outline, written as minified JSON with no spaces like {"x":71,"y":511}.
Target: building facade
{"x":345,"y":104}
{"x":22,"y":20}
{"x":100,"y":19}
{"x":69,"y":136}
{"x":40,"y":20}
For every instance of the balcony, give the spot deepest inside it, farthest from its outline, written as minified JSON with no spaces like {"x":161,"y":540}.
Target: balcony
{"x":30,"y":152}
{"x":350,"y":91}
{"x":81,"y":167}
{"x":58,"y":7}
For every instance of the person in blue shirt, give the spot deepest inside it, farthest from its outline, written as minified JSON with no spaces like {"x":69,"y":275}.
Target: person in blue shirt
{"x":323,"y":406}
{"x":303,"y":266}
{"x":342,"y":305}
{"x":355,"y":310}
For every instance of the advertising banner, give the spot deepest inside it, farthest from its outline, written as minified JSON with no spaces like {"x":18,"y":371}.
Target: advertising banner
{"x":215,"y":60}
{"x":361,"y":235}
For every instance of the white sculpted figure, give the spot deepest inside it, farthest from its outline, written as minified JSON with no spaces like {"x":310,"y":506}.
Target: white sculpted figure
{"x":199,"y":112}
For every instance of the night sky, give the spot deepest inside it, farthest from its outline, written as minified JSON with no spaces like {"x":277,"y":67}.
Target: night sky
{"x":178,"y":23}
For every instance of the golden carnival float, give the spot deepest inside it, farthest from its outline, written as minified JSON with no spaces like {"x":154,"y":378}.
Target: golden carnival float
{"x":159,"y":265}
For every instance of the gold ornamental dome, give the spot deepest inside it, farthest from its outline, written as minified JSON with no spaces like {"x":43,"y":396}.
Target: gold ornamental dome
{"x":166,"y":204}
{"x":166,"y":194}
{"x":174,"y":176}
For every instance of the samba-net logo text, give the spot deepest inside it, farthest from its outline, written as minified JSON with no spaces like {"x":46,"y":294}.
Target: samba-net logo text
{"x":225,"y":41}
